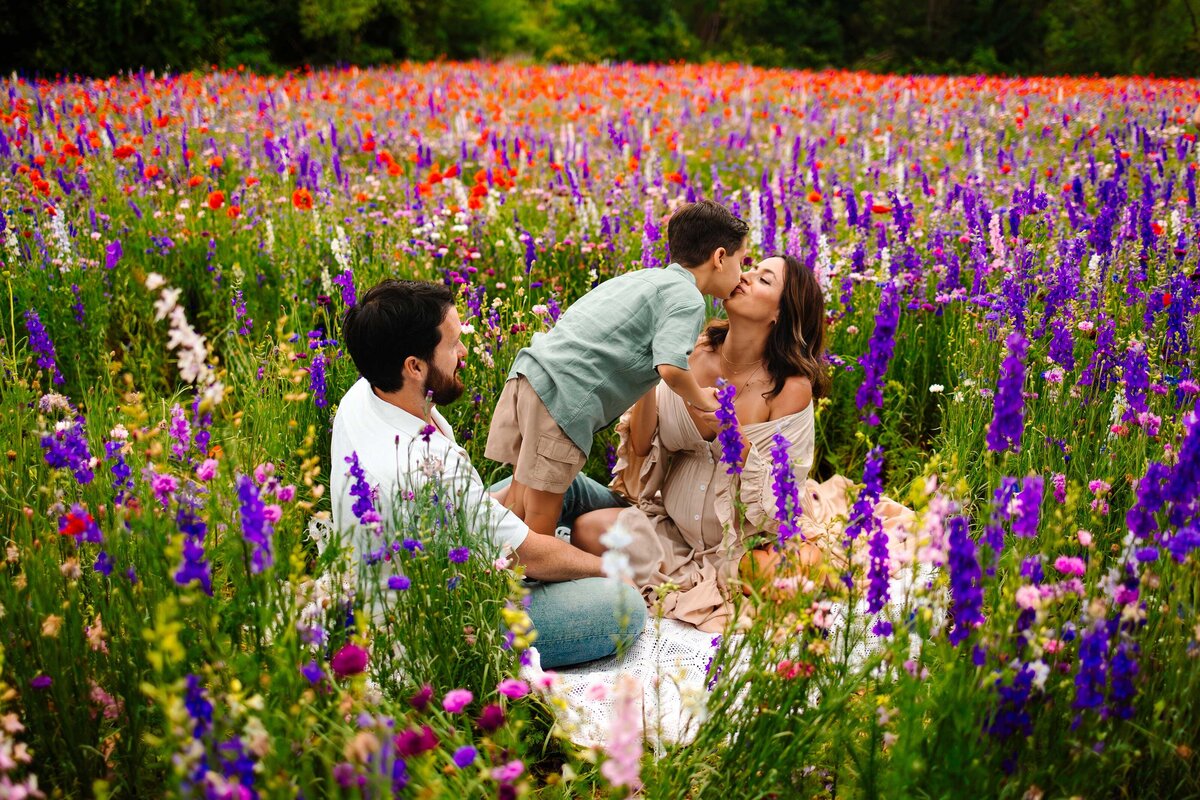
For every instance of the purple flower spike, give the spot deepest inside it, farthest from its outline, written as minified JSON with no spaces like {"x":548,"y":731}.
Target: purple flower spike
{"x":787,"y":495}
{"x":966,"y":582}
{"x":729,"y":436}
{"x":879,"y":354}
{"x":1008,"y":413}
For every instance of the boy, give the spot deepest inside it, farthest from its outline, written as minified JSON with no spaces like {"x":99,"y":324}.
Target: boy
{"x":606,"y":351}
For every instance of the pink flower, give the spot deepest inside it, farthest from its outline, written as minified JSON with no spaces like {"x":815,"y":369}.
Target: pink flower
{"x":624,"y":746}
{"x":1070,"y":565}
{"x":286,"y":493}
{"x":509,"y":772}
{"x":1084,"y":537}
{"x":350,"y":660}
{"x":262,"y":472}
{"x":511,"y":687}
{"x":207,"y":469}
{"x":272,"y":512}
{"x":456,"y":700}
{"x":1028,"y":596}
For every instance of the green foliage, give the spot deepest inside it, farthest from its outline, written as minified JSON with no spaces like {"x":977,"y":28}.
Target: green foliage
{"x":101,"y":37}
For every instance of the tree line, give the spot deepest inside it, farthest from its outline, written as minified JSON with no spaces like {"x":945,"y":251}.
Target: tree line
{"x":1106,"y":37}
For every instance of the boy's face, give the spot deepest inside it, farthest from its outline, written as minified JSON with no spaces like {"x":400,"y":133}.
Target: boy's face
{"x":731,"y":271}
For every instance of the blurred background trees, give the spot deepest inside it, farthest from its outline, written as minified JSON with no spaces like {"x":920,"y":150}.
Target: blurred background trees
{"x":102,"y":37}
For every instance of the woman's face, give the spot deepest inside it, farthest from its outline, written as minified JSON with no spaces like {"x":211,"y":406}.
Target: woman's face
{"x":757,"y":295}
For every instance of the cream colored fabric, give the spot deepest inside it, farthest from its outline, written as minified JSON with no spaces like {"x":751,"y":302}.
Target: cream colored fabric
{"x":683,"y":512}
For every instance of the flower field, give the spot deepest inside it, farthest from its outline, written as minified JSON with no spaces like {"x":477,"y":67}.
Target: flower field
{"x":1012,"y":282}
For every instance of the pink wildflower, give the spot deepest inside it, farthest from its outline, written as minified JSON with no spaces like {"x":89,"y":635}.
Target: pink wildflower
{"x":1070,"y":565}
{"x":456,"y":700}
{"x":623,"y":765}
{"x":513,"y":688}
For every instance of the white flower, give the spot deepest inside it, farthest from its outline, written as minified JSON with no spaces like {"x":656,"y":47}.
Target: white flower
{"x":154,"y":280}
{"x":1041,"y":671}
{"x":617,"y":537}
{"x":937,"y":388}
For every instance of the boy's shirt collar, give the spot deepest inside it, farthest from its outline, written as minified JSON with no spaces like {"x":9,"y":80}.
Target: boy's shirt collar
{"x":676,"y":267}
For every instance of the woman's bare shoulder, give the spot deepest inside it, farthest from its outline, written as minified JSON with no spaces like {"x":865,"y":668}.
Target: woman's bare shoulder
{"x":794,"y":397}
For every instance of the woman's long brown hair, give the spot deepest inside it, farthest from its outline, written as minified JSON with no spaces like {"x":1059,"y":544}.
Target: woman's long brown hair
{"x":796,"y":345}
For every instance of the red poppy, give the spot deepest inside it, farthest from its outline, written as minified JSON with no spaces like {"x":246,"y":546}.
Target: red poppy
{"x":302,"y":199}
{"x":216,"y":200}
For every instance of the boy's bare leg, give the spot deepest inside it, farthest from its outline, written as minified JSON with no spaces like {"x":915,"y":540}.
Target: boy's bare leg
{"x":538,"y":508}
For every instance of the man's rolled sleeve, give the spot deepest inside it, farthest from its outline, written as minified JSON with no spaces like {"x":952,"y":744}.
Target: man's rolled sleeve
{"x":504,"y":528}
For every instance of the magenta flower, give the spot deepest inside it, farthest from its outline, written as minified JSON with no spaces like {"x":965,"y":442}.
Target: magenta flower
{"x":456,"y":700}
{"x":350,"y":660}
{"x":1070,"y":565}
{"x":513,"y":688}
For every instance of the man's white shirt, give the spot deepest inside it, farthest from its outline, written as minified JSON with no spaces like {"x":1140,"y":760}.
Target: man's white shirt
{"x":396,"y":459}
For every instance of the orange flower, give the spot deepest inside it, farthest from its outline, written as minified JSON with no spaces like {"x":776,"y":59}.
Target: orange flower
{"x":814,"y":196}
{"x":233,"y":211}
{"x":216,"y":200}
{"x":251,"y":180}
{"x":195,"y":181}
{"x":151,"y":172}
{"x":216,"y":162}
{"x":302,"y":199}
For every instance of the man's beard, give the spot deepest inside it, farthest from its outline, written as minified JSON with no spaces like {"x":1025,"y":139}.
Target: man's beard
{"x":441,"y":388}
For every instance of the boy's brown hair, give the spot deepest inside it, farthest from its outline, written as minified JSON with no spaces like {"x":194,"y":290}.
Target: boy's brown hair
{"x":698,"y":229}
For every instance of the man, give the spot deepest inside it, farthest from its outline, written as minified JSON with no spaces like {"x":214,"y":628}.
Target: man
{"x":405,"y":337}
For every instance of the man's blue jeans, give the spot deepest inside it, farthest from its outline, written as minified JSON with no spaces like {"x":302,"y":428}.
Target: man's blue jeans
{"x":585,"y":619}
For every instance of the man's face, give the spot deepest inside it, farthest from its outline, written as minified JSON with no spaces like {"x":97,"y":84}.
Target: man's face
{"x":442,"y":385}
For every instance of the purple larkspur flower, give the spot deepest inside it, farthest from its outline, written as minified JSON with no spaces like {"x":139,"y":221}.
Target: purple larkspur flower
{"x":245,"y":323}
{"x":1008,"y":411}
{"x":650,"y":238}
{"x":364,"y":506}
{"x":879,"y":354}
{"x":1135,"y":376}
{"x":1092,"y":678}
{"x":42,"y":346}
{"x":67,"y":448}
{"x":194,"y":566}
{"x":1012,"y":714}
{"x":316,"y":380}
{"x":1025,"y":520}
{"x":112,"y":253}
{"x":345,"y":280}
{"x":729,"y":436}
{"x":966,"y":582}
{"x":787,"y":495}
{"x":180,"y":431}
{"x":312,"y":672}
{"x":257,"y":529}
{"x":195,"y":700}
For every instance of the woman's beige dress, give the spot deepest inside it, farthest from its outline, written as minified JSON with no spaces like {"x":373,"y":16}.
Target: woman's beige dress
{"x":683,"y":513}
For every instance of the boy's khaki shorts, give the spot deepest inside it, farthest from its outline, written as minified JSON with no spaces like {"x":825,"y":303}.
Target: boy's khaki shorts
{"x":525,"y":436}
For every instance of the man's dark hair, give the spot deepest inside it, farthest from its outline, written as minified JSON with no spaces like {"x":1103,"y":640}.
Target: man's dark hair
{"x":395,"y":320}
{"x":697,"y":229}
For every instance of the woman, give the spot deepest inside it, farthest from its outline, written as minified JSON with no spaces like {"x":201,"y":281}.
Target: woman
{"x":771,"y":349}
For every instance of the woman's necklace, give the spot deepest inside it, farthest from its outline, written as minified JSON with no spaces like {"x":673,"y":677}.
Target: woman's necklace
{"x":735,"y":364}
{"x":748,"y":381}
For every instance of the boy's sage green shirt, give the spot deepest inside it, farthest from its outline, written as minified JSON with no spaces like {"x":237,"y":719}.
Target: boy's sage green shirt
{"x":601,"y":355}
